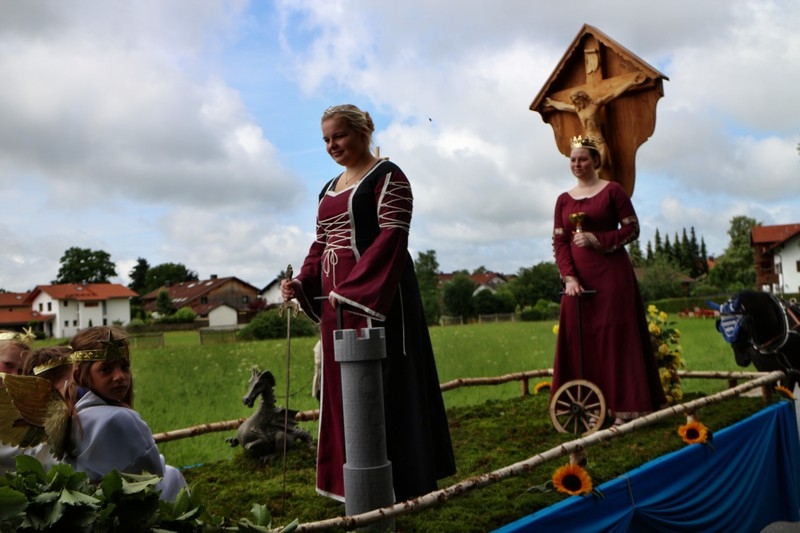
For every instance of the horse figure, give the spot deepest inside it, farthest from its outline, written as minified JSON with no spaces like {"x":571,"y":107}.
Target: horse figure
{"x":262,"y":434}
{"x":762,"y":330}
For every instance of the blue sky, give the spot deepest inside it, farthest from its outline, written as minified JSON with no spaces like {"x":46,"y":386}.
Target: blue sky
{"x":188,"y":131}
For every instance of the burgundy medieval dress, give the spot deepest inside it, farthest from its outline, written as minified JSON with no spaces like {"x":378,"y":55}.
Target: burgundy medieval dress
{"x":360,"y":254}
{"x":617,"y":352}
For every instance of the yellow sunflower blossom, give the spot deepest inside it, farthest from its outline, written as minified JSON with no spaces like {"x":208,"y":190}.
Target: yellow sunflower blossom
{"x":783,"y":391}
{"x":542,"y":385}
{"x":667,"y":351}
{"x":572,"y":479}
{"x":693,"y":433}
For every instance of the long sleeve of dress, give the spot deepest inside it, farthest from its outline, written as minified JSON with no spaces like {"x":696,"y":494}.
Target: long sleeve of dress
{"x":372,"y":284}
{"x":310,"y":277}
{"x":562,"y":237}
{"x":610,"y":241}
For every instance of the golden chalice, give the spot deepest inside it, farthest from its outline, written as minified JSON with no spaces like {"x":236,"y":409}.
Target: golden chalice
{"x":577,"y":219}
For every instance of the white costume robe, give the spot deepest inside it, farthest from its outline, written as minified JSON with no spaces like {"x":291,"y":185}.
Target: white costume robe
{"x":107,"y":437}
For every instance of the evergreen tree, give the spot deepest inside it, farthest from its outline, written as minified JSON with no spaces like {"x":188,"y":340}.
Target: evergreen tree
{"x":667,"y":255}
{"x":650,"y":257}
{"x":703,"y":257}
{"x":427,"y":268}
{"x":138,"y":276}
{"x":635,"y":251}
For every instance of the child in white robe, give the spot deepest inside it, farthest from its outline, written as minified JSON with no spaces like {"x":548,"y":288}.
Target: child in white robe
{"x":107,"y":434}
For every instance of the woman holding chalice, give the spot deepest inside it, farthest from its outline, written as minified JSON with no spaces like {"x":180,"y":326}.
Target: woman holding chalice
{"x":593,"y":222}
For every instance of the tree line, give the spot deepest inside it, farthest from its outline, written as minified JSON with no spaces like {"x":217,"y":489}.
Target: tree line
{"x":666,"y":268}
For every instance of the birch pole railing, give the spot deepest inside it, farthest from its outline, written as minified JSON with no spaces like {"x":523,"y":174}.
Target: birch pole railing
{"x":440,"y":496}
{"x":421,"y":503}
{"x":522,"y":377}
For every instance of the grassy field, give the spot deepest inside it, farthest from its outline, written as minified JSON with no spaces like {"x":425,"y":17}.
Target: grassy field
{"x":185,"y":384}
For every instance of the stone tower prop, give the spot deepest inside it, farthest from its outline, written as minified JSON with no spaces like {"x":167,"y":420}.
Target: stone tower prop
{"x":368,"y":481}
{"x":602,"y":90}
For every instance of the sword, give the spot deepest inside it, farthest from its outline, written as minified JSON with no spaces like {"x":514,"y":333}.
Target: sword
{"x":290,"y":308}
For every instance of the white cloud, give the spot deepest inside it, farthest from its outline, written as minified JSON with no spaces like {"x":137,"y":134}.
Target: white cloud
{"x":188,"y":131}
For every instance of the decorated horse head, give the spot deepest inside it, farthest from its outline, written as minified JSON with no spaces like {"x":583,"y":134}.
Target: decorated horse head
{"x":762,"y":330}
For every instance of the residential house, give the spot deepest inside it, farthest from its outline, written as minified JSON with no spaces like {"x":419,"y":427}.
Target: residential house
{"x":271,"y":294}
{"x":16,"y":312}
{"x":66,"y":308}
{"x":776,"y":252}
{"x":483,"y":281}
{"x":228,"y":301}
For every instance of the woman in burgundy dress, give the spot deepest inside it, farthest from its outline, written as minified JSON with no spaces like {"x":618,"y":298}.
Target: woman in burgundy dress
{"x":360,"y":259}
{"x":590,"y":254}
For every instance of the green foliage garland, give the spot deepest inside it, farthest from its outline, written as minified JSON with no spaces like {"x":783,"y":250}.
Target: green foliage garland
{"x":64,"y":500}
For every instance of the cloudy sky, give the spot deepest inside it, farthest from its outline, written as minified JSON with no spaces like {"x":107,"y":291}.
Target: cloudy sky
{"x":188,"y":131}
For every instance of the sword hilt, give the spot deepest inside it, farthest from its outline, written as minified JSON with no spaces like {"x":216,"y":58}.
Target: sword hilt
{"x":288,"y":304}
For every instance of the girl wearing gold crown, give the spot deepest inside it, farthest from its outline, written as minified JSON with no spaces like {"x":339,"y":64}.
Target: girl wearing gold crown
{"x":107,"y":434}
{"x":593,"y":222}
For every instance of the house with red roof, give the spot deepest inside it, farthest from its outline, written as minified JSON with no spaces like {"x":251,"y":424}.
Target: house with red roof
{"x":16,"y":312}
{"x":484,"y":281}
{"x":64,"y":309}
{"x":225,"y":302}
{"x":776,"y":251}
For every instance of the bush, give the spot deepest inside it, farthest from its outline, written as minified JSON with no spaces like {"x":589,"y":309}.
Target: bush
{"x":271,"y":325}
{"x":136,"y":323}
{"x":543,"y":310}
{"x":184,"y":315}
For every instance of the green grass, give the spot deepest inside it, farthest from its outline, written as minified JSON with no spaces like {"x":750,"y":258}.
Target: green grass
{"x":486,"y":437}
{"x":185,"y":384}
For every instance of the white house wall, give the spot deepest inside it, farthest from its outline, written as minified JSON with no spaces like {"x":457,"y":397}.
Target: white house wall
{"x":223,"y":316}
{"x":786,"y":262}
{"x":118,"y":310}
{"x":72,"y":315}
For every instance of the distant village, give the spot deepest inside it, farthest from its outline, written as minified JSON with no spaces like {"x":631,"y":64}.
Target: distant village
{"x":59,"y":311}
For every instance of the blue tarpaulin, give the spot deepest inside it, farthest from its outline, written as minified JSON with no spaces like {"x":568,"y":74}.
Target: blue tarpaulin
{"x":747,"y":480}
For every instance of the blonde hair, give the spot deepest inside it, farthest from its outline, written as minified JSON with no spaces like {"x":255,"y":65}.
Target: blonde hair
{"x":356,"y":118}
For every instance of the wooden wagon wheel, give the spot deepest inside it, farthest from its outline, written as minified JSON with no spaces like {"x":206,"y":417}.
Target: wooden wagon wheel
{"x":578,"y":407}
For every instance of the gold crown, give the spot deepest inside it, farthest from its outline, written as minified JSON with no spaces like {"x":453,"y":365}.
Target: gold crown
{"x":115,"y":349}
{"x":583,"y":142}
{"x":53,"y":363}
{"x":26,"y":337}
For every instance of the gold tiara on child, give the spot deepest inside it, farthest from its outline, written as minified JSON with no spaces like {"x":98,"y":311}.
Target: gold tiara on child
{"x":583,"y":142}
{"x":115,"y":349}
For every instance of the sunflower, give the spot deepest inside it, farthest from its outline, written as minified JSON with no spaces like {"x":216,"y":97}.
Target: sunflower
{"x":783,"y":391}
{"x":542,"y":385}
{"x":555,"y":329}
{"x":694,"y":432}
{"x":572,"y":479}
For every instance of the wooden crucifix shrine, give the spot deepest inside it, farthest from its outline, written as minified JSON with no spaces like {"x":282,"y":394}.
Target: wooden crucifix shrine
{"x":601,"y":90}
